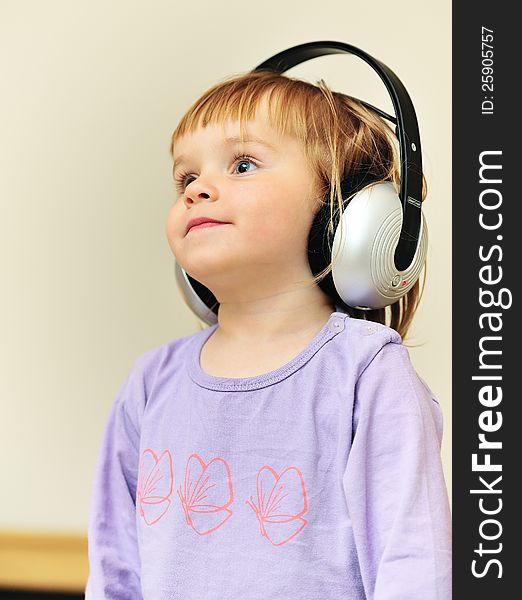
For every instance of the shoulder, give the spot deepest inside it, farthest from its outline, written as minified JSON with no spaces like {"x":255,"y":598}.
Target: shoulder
{"x":149,"y":370}
{"x":388,"y":382}
{"x":163,"y":359}
{"x":376,"y":333}
{"x":384,"y":371}
{"x":361,"y":341}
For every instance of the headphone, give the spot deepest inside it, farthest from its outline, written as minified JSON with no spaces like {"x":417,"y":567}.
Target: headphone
{"x":386,"y":241}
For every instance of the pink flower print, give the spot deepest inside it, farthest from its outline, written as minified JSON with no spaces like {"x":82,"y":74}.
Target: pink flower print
{"x":207,"y":493}
{"x":155,"y":484}
{"x":281,"y":503}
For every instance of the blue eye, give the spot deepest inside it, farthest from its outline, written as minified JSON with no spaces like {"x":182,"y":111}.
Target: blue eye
{"x":183,"y":179}
{"x":245,"y":159}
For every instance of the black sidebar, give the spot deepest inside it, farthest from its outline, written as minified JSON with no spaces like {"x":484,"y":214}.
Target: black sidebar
{"x":487,"y":237}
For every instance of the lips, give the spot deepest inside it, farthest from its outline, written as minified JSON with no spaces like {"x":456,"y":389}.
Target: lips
{"x":202,"y":220}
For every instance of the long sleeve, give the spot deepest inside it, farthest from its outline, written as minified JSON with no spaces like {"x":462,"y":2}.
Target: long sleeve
{"x":112,"y":538}
{"x":394,"y":483}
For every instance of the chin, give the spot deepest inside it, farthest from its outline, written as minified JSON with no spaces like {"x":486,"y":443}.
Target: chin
{"x":205,"y":269}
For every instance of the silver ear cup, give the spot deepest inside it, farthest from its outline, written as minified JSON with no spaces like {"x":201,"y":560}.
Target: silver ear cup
{"x":192,"y":299}
{"x":364,"y":272}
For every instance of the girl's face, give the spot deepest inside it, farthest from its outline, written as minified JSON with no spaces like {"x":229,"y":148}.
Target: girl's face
{"x":263,"y":189}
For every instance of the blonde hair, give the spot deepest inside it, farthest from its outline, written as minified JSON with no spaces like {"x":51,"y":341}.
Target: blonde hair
{"x":342,"y":141}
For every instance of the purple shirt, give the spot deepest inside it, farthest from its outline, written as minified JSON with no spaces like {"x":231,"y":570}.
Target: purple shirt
{"x":321,"y":480}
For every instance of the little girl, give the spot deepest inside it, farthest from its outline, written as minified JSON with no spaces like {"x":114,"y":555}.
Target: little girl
{"x":289,"y":451}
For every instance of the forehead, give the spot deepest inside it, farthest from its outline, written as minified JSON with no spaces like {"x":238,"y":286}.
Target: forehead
{"x":259,"y":131}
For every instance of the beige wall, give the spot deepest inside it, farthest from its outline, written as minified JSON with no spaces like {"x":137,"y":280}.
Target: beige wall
{"x":91,"y":93}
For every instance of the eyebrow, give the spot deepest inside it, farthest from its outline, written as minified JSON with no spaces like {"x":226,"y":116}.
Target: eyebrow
{"x":251,"y":139}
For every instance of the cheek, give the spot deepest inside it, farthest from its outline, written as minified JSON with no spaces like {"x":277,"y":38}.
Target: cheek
{"x":174,"y":227}
{"x":286,"y":213}
{"x":277,"y":232}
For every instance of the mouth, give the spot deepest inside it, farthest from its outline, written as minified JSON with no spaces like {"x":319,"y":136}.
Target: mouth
{"x":204,"y":225}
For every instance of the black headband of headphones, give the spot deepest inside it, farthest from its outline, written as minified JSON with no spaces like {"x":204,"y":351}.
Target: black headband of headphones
{"x":406,"y":130}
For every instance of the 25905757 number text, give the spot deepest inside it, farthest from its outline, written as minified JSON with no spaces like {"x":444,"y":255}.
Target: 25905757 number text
{"x":487,"y":71}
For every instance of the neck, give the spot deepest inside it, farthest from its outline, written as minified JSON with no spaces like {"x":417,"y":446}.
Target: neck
{"x":279,"y":317}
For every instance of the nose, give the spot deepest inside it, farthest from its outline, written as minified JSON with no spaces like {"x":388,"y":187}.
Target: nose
{"x":200,"y":189}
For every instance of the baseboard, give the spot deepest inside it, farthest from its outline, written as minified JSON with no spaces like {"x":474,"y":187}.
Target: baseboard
{"x":43,"y":561}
